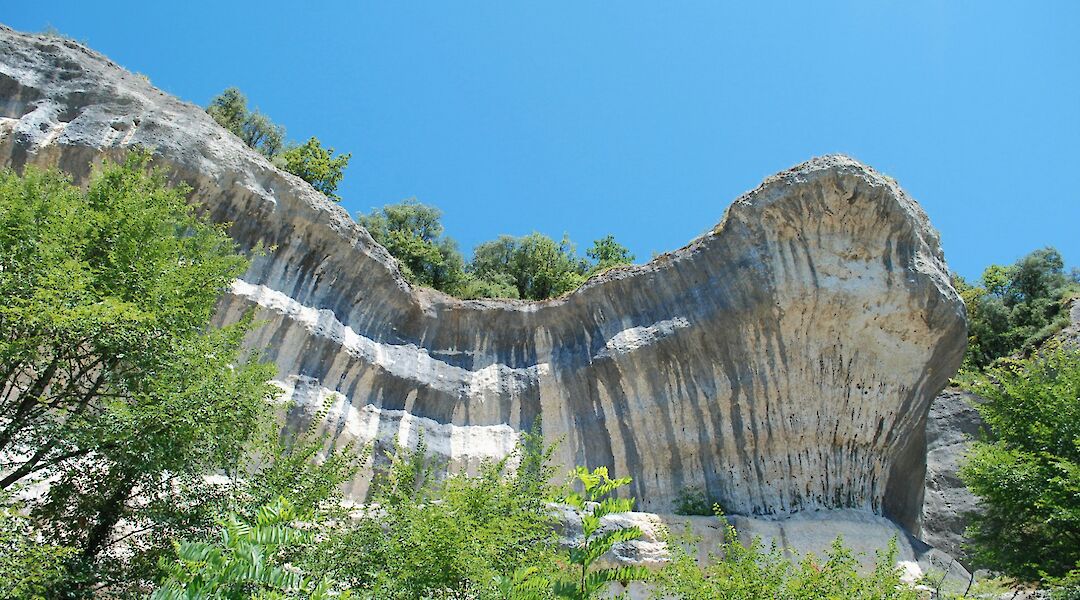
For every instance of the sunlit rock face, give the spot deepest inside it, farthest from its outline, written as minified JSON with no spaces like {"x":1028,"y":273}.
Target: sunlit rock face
{"x":784,"y":361}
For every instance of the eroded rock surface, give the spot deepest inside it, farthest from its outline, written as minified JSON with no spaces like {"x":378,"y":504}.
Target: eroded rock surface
{"x":784,"y":361}
{"x":952,"y":425}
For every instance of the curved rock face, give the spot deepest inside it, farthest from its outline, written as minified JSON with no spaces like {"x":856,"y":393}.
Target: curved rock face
{"x":784,"y":361}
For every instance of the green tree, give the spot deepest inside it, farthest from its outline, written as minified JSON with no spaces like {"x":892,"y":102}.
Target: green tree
{"x":230,"y":110}
{"x":608,"y":253}
{"x":29,"y":569}
{"x":493,"y":285}
{"x":1015,"y":308}
{"x":413,"y":234}
{"x":297,"y":476}
{"x":593,"y":504}
{"x":470,"y":535}
{"x":113,"y":383}
{"x":316,"y":165}
{"x":1028,"y":477}
{"x":533,"y":267}
{"x":538,"y":266}
{"x":309,"y":161}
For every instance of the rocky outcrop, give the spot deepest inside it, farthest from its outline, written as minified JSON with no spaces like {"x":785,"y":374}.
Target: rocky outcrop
{"x":1070,"y":335}
{"x":784,"y":361}
{"x":952,"y":424}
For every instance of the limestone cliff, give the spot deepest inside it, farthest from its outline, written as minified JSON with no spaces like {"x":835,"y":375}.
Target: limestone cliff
{"x":784,"y":361}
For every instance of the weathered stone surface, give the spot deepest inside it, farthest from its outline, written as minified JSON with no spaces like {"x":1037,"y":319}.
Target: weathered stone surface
{"x":784,"y":361}
{"x":952,"y":424}
{"x":1070,"y":335}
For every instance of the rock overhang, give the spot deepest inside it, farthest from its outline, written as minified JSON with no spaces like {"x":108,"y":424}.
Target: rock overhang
{"x":784,"y":361}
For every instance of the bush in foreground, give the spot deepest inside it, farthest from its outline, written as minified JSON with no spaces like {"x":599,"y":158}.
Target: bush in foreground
{"x":749,"y":572}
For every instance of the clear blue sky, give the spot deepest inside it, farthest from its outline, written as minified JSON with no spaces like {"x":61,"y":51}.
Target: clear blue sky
{"x":642,"y":119}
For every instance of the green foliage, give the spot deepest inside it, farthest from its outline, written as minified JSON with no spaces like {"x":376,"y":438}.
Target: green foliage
{"x":533,"y":267}
{"x":308,"y":161}
{"x":246,"y":563}
{"x":749,"y":572}
{"x":691,"y":500}
{"x":28,"y":567}
{"x":526,"y":583}
{"x":608,"y":253}
{"x":538,"y":266}
{"x":1066,"y":587}
{"x":492,"y":285}
{"x":113,"y":384}
{"x":316,"y":165}
{"x":1015,"y":307}
{"x":466,"y":534}
{"x":1028,"y":477}
{"x":413,"y":234}
{"x":229,"y":109}
{"x":593,"y":504}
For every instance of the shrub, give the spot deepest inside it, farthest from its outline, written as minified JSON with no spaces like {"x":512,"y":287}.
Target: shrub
{"x":751,"y":572}
{"x":593,"y":504}
{"x":246,"y":562}
{"x":1028,"y":478}
{"x":465,"y":534}
{"x":691,"y":500}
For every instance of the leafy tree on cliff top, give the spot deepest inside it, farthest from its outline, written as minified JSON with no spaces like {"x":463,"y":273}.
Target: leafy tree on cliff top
{"x":316,"y":165}
{"x":608,"y":253}
{"x":309,"y":161}
{"x":532,"y":267}
{"x":1014,"y":308}
{"x":230,"y":110}
{"x":538,"y":266}
{"x":413,"y":234}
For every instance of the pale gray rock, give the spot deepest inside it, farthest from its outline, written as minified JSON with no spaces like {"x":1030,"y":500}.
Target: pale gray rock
{"x":952,"y":424}
{"x":784,"y":361}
